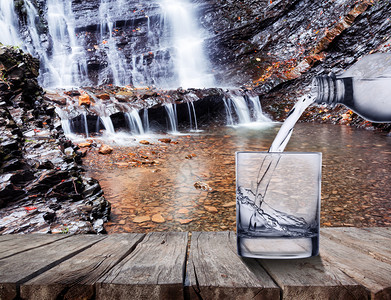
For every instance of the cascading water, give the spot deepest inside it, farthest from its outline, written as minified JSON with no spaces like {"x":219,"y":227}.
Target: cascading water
{"x":172,"y":116}
{"x":9,"y":26}
{"x":241,"y":109}
{"x":192,"y":116}
{"x":187,"y":39}
{"x":247,"y":109}
{"x":85,"y":123}
{"x":258,"y":115}
{"x":134,"y":122}
{"x":68,"y":59}
{"x":146,"y":120}
{"x":108,"y":123}
{"x":164,"y":48}
{"x":119,"y":69}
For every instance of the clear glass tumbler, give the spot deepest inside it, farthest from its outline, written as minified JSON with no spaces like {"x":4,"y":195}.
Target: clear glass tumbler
{"x":278,"y":204}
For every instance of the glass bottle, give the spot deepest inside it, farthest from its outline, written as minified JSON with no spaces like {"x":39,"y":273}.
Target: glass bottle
{"x":365,"y":88}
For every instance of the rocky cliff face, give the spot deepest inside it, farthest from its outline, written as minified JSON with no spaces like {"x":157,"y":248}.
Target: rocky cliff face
{"x":42,"y":186}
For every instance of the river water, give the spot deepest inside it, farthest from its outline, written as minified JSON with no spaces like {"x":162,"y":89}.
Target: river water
{"x":189,"y":184}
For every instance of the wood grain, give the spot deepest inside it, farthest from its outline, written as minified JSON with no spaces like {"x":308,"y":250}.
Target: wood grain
{"x":215,"y":271}
{"x":19,"y":243}
{"x":369,"y":271}
{"x":312,"y":278}
{"x":24,"y":266}
{"x":154,"y":270}
{"x":75,"y":278}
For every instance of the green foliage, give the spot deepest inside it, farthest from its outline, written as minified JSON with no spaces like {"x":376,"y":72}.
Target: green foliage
{"x":65,"y":230}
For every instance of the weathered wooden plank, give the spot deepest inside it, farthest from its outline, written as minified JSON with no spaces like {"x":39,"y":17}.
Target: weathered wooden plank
{"x":154,"y":270}
{"x":372,"y":273}
{"x":22,"y":243}
{"x":7,"y":237}
{"x":370,"y":243}
{"x":215,"y":271}
{"x":312,"y":278}
{"x":75,"y":277}
{"x":19,"y":268}
{"x":383,"y":231}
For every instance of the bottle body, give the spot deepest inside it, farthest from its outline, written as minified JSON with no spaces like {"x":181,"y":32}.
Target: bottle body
{"x":365,"y":88}
{"x":368,"y":97}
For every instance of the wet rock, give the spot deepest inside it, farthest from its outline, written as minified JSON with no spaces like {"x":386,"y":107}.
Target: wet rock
{"x":47,"y":164}
{"x":13,"y":165}
{"x":98,"y":226}
{"x":230,"y":204}
{"x":202,"y":186}
{"x":56,"y":98}
{"x":165,"y":140}
{"x":124,"y":96}
{"x":82,"y":152}
{"x":49,"y":216}
{"x":183,"y":211}
{"x":55,"y":206}
{"x":21,"y":178}
{"x":85,"y":144}
{"x":105,"y":149}
{"x":39,"y":166}
{"x":158,"y":218}
{"x":141,"y":219}
{"x":84,"y":99}
{"x":69,"y":151}
{"x":211,"y":209}
{"x":185,"y":221}
{"x":10,"y":193}
{"x":103,"y":96}
{"x":144,"y":142}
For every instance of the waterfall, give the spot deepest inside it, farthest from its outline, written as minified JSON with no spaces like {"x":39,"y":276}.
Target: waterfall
{"x":68,"y":59}
{"x":9,"y":26}
{"x":172,"y":116}
{"x":47,"y":70}
{"x":63,"y":60}
{"x":190,"y":62}
{"x":241,"y":109}
{"x":228,"y":111}
{"x":259,"y":116}
{"x":190,"y":108}
{"x":190,"y":117}
{"x":128,"y":46}
{"x":134,"y":122}
{"x":66,"y":126}
{"x":84,"y":118}
{"x":108,"y":123}
{"x":146,"y":120}
{"x":115,"y":59}
{"x":238,"y":104}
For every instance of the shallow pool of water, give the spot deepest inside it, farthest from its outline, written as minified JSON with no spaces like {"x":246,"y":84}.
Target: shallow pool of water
{"x":189,"y":184}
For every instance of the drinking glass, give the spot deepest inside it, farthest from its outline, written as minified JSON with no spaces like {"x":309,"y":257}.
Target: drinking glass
{"x":278,"y":204}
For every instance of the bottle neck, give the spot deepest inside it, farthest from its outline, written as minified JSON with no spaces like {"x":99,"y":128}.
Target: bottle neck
{"x":328,"y":89}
